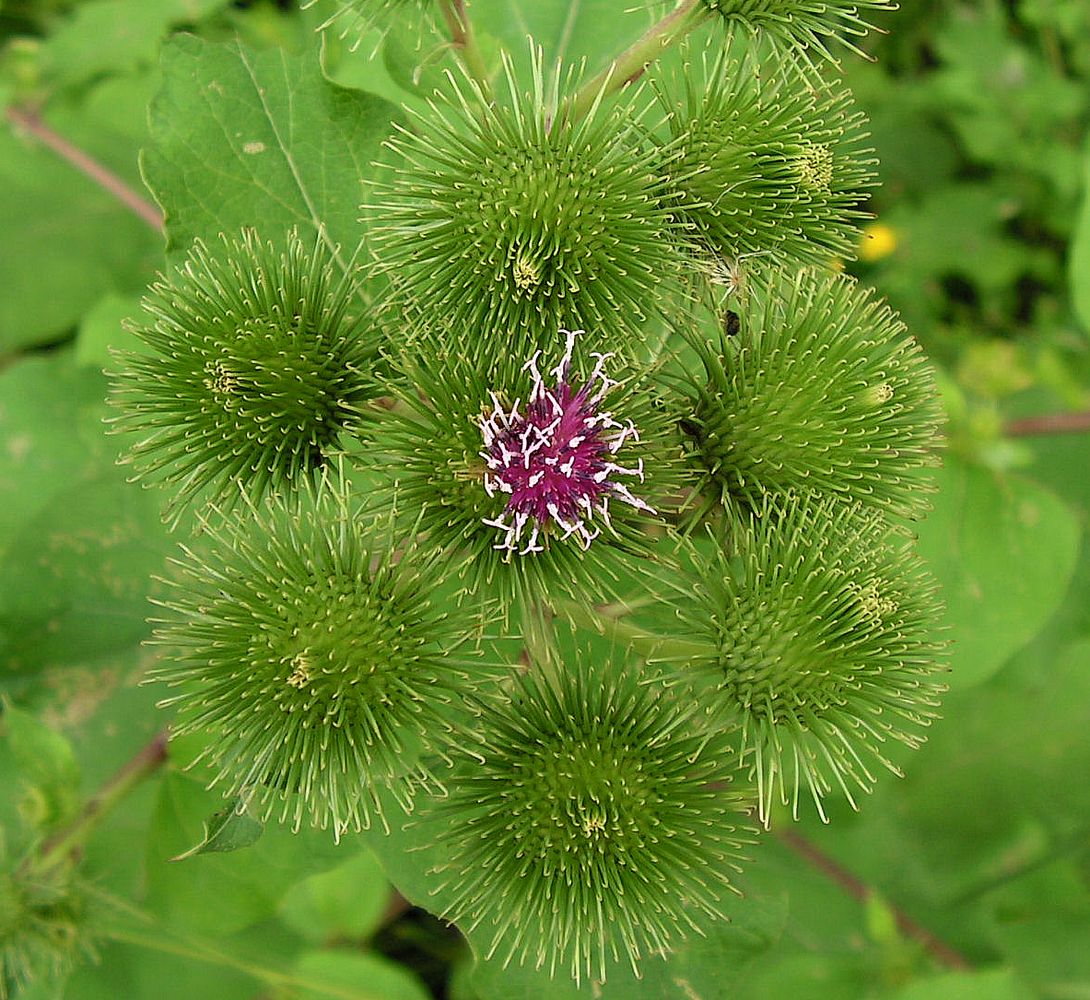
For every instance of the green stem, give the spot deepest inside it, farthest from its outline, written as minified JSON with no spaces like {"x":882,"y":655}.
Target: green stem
{"x":629,"y":66}
{"x":463,"y":39}
{"x":66,"y":842}
{"x":606,"y":621}
{"x":539,"y":638}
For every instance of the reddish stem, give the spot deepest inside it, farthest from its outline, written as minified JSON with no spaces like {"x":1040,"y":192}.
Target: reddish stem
{"x":860,"y":891}
{"x":102,"y":176}
{"x":1049,"y":423}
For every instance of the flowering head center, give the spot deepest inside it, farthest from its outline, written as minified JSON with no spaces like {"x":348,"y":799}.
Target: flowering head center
{"x":815,"y":166}
{"x":555,"y":458}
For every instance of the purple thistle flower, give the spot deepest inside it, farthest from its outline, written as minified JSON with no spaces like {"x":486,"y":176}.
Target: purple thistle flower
{"x":555,"y":461}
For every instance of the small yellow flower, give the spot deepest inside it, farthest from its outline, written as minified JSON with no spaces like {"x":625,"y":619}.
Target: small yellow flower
{"x":879,"y":240}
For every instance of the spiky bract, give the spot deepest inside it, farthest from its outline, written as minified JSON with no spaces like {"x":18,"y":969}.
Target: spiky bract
{"x":310,"y":654}
{"x":820,"y":389}
{"x":584,"y":826}
{"x":351,"y":19}
{"x":762,"y":163}
{"x":819,"y":625}
{"x":43,"y":927}
{"x":805,"y":25}
{"x":258,"y":360}
{"x":435,"y":452}
{"x":511,"y":224}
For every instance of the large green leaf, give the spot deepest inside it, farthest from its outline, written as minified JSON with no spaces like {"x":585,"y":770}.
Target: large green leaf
{"x":987,"y":984}
{"x":343,"y":975}
{"x":591,"y":30}
{"x":74,"y":583}
{"x":222,"y":893}
{"x":988,"y":825}
{"x":51,"y":427}
{"x":146,"y":970}
{"x":111,"y":36}
{"x":1004,"y":550}
{"x":1079,"y":258}
{"x":263,"y":140}
{"x":39,"y":789}
{"x":345,"y":903}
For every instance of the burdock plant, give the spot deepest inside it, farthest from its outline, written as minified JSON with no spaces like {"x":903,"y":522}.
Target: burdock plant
{"x":820,"y":388}
{"x":512,"y":217}
{"x":257,"y":358}
{"x":607,"y":380}
{"x":587,"y":802}
{"x":818,"y":654}
{"x":309,"y":650}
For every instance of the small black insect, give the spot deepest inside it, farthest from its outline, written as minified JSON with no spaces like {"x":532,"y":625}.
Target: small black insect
{"x":732,"y":323}
{"x":690,"y":427}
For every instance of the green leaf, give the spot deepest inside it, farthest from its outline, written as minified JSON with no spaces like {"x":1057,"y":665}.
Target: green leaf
{"x":594,"y":30}
{"x":1079,"y":258}
{"x":74,"y":582}
{"x":51,"y":426}
{"x":130,"y":971}
{"x":226,"y":830}
{"x":986,"y":984}
{"x":103,"y":329}
{"x":47,"y":775}
{"x":1004,"y":550}
{"x":219,"y":894}
{"x":341,"y":975}
{"x":346,"y":902}
{"x":109,"y":36}
{"x":263,"y":140}
{"x":77,"y":543}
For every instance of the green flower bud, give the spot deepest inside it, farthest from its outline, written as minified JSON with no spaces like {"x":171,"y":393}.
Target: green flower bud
{"x":822,"y":389}
{"x":257,"y":362}
{"x":43,"y":927}
{"x":762,"y":163}
{"x":805,"y":25}
{"x":587,"y":823}
{"x":504,"y":218}
{"x":819,"y":624}
{"x":310,"y":654}
{"x":538,"y":476}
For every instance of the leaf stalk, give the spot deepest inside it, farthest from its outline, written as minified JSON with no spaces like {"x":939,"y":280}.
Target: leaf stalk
{"x":631,"y":64}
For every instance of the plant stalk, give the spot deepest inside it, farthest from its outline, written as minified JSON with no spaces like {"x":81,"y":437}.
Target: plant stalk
{"x":64,"y":843}
{"x":463,"y":39}
{"x":939,"y":950}
{"x":104,"y":177}
{"x":606,"y":621}
{"x":630,"y":65}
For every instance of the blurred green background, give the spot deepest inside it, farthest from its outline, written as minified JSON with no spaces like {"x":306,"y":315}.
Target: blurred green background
{"x":969,"y":878}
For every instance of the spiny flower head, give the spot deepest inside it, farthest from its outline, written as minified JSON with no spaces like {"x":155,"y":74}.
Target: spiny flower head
{"x":311,"y":655}
{"x":804,"y":25}
{"x":554,"y":459}
{"x":506,"y":218}
{"x":42,"y":930}
{"x":536,"y":497}
{"x":819,"y":624}
{"x":821,"y":388}
{"x":257,"y":362}
{"x":761,"y":162}
{"x":583,"y":826}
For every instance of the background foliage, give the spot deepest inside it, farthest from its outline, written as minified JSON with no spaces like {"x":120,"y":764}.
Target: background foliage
{"x":981,"y":239}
